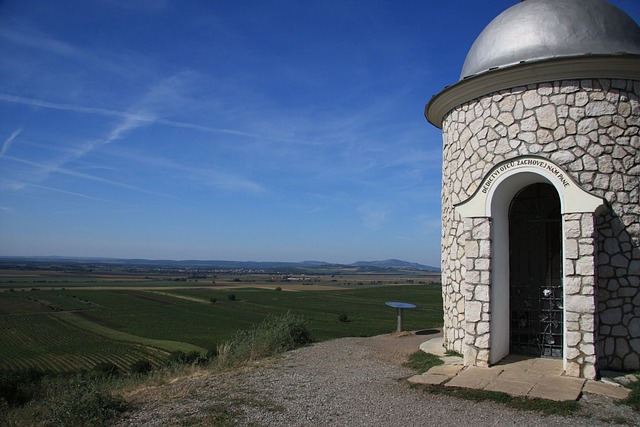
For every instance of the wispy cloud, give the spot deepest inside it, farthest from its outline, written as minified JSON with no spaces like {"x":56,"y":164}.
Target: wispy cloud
{"x":373,"y":215}
{"x":132,"y":117}
{"x":70,"y":193}
{"x":146,"y":111}
{"x":46,"y":169}
{"x":7,"y":142}
{"x":29,"y":38}
{"x":207,"y":177}
{"x":35,"y":40}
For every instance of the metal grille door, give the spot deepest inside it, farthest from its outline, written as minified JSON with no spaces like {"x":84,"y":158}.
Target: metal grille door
{"x":535,"y":265}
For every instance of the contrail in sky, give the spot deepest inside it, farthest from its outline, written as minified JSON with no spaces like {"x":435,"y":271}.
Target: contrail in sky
{"x":8,"y":141}
{"x":115,"y":113}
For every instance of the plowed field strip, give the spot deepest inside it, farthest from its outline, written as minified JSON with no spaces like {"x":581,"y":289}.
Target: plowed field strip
{"x":116,"y":335}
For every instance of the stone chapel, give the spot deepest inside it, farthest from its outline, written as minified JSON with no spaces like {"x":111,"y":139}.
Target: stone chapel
{"x":540,"y":189}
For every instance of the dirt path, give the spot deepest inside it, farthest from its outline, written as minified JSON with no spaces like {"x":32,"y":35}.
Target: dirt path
{"x":344,"y":382}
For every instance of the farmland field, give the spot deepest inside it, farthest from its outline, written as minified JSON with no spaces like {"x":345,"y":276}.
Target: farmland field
{"x":60,"y":328}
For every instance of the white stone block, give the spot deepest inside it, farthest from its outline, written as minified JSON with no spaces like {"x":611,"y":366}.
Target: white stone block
{"x":589,"y":371}
{"x":573,"y":338}
{"x":482,"y":341}
{"x":529,"y":124}
{"x":600,"y":108}
{"x":571,"y":248}
{"x":485,"y":327}
{"x":587,"y":323}
{"x":482,"y":264}
{"x":587,"y":349}
{"x":481,"y":293}
{"x":473,"y":311}
{"x":585,"y":266}
{"x":587,"y":125}
{"x":572,"y":285}
{"x":580,"y":304}
{"x":562,"y":157}
{"x":531,"y":99}
{"x":572,"y":229}
{"x":572,"y":353}
{"x":471,"y":249}
{"x":582,"y":98}
{"x":547,"y":117}
{"x":544,"y":137}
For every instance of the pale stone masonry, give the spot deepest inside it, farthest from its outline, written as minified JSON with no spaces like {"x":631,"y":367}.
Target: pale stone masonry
{"x":590,"y":129}
{"x":540,"y":189}
{"x":580,"y":295}
{"x":477,"y":287}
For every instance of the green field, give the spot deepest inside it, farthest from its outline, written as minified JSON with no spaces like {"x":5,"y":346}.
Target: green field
{"x":68,"y":329}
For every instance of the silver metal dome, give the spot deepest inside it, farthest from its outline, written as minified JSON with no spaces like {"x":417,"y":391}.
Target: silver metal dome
{"x":543,"y":29}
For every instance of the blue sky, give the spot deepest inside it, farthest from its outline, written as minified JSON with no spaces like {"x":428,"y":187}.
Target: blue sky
{"x":237,"y":130}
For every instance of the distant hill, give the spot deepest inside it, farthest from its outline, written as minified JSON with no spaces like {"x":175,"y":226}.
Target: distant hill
{"x":87,"y":262}
{"x":395,"y":264}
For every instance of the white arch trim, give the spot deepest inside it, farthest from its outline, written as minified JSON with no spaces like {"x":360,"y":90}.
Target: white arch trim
{"x":492,"y":200}
{"x":573,"y":199}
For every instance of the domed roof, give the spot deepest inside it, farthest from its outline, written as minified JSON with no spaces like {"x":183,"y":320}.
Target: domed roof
{"x":542,"y":29}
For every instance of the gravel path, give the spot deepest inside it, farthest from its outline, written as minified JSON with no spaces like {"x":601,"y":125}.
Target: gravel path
{"x":344,"y":382}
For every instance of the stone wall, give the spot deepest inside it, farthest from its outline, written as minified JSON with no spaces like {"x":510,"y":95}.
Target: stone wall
{"x":477,"y":292}
{"x":580,"y":299}
{"x":590,"y":128}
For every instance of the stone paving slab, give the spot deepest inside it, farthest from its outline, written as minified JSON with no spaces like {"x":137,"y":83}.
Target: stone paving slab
{"x":450,"y":370}
{"x":511,"y":387}
{"x":436,"y":375}
{"x":427,"y":378}
{"x":609,"y":390}
{"x":474,"y":377}
{"x":434,"y":346}
{"x":547,"y":366}
{"x":520,"y":376}
{"x":517,"y":376}
{"x":558,"y":388}
{"x":452,"y":360}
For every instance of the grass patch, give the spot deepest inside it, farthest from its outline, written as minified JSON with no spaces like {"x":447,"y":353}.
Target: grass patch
{"x":274,"y":335}
{"x":634,"y":397}
{"x":65,"y":400}
{"x":547,"y":407}
{"x":422,"y":362}
{"x":452,"y":353}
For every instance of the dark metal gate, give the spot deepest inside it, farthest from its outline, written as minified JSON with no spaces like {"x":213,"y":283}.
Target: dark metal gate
{"x":535,"y":265}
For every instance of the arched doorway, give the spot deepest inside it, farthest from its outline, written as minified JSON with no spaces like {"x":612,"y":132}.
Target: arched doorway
{"x":535,"y":272}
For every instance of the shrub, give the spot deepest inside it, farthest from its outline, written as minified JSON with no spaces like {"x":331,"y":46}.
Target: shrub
{"x":179,"y":357}
{"x":634,"y":397}
{"x":19,"y":387}
{"x":274,"y":335}
{"x":212,"y":354}
{"x":343,"y":317}
{"x":232,"y":297}
{"x":106,"y":369}
{"x":141,"y":366}
{"x":78,"y":401}
{"x":213,"y":300}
